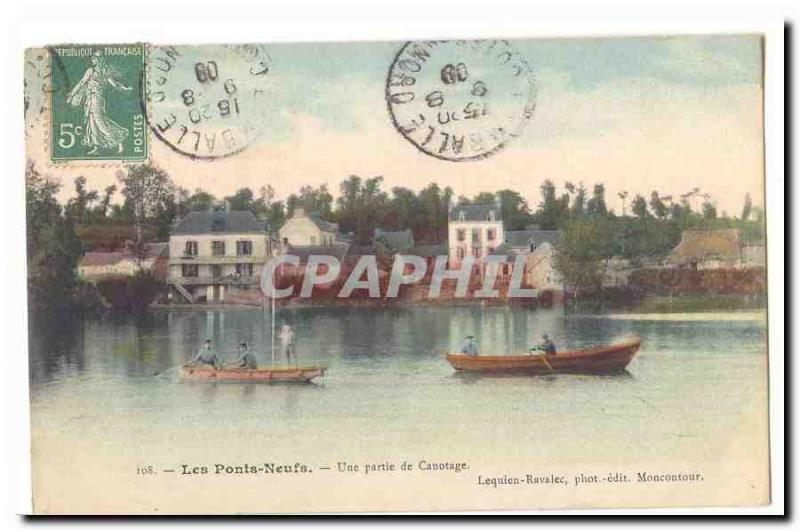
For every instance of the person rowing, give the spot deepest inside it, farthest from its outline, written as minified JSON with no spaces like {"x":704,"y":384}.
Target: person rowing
{"x":246,"y":358}
{"x":469,"y":346}
{"x":546,"y":346}
{"x":206,"y":356}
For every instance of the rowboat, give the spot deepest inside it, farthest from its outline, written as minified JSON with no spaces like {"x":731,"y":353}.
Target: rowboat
{"x":600,"y":360}
{"x":261,"y":374}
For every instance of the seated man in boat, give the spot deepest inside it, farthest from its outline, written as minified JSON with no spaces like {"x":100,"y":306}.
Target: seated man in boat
{"x":469,"y":346}
{"x":207,"y":356}
{"x":246,"y":359}
{"x":546,"y":346}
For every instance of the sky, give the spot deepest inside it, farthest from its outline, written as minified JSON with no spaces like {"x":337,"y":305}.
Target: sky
{"x":637,"y":114}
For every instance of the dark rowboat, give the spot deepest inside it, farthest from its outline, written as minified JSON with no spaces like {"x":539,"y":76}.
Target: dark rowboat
{"x":601,"y":360}
{"x":261,"y":374}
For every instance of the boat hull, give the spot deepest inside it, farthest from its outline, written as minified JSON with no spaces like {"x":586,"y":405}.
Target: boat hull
{"x":603,"y":360}
{"x":264,"y":374}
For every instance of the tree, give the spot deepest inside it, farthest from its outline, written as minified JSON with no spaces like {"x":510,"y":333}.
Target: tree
{"x":199,"y":200}
{"x":515,"y":210}
{"x":657,"y":205}
{"x":639,"y":207}
{"x":579,"y":199}
{"x":79,"y":206}
{"x":53,"y":248}
{"x":243,"y":199}
{"x":709,"y":210}
{"x":552,"y":211}
{"x":579,"y":256}
{"x":317,"y":200}
{"x":596,"y":206}
{"x":147,"y":190}
{"x":747,"y":208}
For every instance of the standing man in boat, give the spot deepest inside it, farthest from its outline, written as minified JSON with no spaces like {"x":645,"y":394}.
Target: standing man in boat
{"x":246,"y":359}
{"x":469,"y":346}
{"x":207,"y":356}
{"x":288,"y":342}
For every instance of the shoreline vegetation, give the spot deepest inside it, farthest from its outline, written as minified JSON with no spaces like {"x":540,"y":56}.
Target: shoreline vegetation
{"x":646,"y":231}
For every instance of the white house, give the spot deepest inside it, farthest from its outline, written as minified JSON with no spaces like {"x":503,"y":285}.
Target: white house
{"x":473,"y":230}
{"x":306,"y":228}
{"x":212,"y":252}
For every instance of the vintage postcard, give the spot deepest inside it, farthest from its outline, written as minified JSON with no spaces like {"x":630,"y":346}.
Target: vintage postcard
{"x":435,"y":275}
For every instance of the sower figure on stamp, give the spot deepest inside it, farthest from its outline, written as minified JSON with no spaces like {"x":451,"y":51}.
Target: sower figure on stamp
{"x":288,"y":342}
{"x":100,"y":131}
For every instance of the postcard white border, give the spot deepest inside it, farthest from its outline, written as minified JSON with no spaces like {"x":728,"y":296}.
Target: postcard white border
{"x":191,"y":22}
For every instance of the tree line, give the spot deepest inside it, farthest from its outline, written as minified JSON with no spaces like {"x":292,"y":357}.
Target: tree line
{"x":151,"y":203}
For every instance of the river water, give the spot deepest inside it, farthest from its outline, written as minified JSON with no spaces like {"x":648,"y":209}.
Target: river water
{"x":98,"y":412}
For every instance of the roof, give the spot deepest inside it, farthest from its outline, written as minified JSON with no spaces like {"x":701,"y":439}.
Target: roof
{"x":95,"y":259}
{"x":324,"y":226}
{"x":337,"y":250}
{"x":699,"y":245}
{"x":218,"y":222}
{"x":399,"y":240}
{"x":475,"y":212}
{"x":523,"y":238}
{"x":502,"y":250}
{"x":427,"y":250}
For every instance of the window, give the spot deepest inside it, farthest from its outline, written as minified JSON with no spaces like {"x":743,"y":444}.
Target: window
{"x":218,"y":248}
{"x":476,"y":236}
{"x":461,"y":216}
{"x":244,"y":248}
{"x":461,"y":235}
{"x":491,"y":215}
{"x":216,"y":271}
{"x":245,"y":270}
{"x":189,"y":270}
{"x":533,"y":246}
{"x":476,"y":252}
{"x":491,"y":234}
{"x":461,"y":253}
{"x":190,"y":249}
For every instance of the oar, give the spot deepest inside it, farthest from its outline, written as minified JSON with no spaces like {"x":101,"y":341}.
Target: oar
{"x":544,"y":359}
{"x":170,"y":369}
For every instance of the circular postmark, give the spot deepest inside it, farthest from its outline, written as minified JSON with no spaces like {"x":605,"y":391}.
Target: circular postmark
{"x":460,"y":100}
{"x":208,"y":102}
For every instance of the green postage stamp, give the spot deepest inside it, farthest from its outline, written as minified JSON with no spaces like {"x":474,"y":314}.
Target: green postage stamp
{"x":96,"y":110}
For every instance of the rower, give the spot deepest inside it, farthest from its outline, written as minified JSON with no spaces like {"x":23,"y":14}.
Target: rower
{"x":207,"y":356}
{"x":469,"y":346}
{"x":246,"y":359}
{"x":546,"y":346}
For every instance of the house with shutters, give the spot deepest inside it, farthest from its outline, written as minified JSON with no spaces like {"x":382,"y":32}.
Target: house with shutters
{"x":215,"y":252}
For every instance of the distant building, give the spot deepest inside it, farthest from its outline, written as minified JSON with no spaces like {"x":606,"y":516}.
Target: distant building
{"x":708,"y":249}
{"x":398,"y":241}
{"x":474,"y":230}
{"x":212,"y":252}
{"x":306,"y":228}
{"x":540,"y":270}
{"x":126,"y":263}
{"x":527,"y":241}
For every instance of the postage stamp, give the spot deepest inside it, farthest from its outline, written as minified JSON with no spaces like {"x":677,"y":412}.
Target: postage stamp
{"x":207,"y":102}
{"x":95,"y":102}
{"x":460,"y":100}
